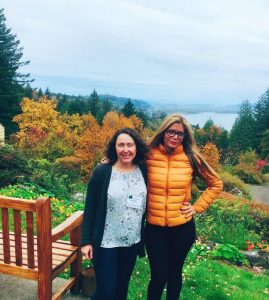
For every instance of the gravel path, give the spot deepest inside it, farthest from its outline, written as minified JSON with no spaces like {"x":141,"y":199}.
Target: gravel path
{"x":260,"y":193}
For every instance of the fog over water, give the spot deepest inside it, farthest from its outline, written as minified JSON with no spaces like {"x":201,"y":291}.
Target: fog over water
{"x":223,"y":120}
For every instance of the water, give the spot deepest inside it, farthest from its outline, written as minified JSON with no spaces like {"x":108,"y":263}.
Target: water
{"x":223,"y":120}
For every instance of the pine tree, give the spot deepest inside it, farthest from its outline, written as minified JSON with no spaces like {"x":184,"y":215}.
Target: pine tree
{"x":105,"y":107}
{"x":94,"y":103}
{"x":28,"y":91}
{"x":40,"y":93}
{"x":11,"y":81}
{"x":242,"y":135}
{"x":261,"y":117}
{"x":47,"y":92}
{"x":128,"y":109}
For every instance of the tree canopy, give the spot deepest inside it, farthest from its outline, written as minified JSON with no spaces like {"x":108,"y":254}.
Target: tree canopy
{"x":11,"y":80}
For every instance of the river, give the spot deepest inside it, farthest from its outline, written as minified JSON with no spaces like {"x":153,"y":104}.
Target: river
{"x":223,"y":120}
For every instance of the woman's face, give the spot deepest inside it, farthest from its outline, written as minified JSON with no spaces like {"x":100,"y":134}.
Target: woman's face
{"x":173,"y":136}
{"x":125,"y":148}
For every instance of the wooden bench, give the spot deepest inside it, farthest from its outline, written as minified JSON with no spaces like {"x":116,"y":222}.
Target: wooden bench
{"x":43,"y":256}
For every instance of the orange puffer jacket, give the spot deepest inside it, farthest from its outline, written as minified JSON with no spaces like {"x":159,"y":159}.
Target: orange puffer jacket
{"x":169,"y":184}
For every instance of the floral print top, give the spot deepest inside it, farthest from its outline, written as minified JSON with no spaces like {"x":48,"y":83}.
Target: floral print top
{"x":126,"y":204}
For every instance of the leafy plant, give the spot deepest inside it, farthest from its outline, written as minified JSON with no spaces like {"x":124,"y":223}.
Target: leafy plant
{"x":230,"y":253}
{"x":200,"y":249}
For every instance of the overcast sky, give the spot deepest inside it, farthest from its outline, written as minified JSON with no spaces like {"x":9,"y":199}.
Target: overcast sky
{"x":167,"y":51}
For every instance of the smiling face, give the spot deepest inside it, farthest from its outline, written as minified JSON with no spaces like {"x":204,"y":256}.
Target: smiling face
{"x":125,"y":149}
{"x":172,"y":142}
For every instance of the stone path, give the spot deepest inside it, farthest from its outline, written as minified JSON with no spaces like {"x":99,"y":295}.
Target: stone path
{"x":260,"y":193}
{"x":15,"y":288}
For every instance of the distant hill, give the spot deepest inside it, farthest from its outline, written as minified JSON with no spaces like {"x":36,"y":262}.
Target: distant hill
{"x":120,"y":101}
{"x":170,"y":108}
{"x":196,"y":108}
{"x":165,"y":106}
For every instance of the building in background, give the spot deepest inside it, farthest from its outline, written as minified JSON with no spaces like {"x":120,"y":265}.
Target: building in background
{"x":2,"y":135}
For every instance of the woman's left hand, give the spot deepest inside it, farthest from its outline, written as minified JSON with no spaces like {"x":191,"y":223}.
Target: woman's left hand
{"x":187,"y":210}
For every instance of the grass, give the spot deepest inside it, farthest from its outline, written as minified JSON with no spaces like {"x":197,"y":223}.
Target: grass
{"x":207,"y":280}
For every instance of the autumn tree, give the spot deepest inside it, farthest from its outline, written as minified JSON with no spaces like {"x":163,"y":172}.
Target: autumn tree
{"x":44,"y":132}
{"x":90,"y":146}
{"x":211,"y":154}
{"x":11,"y":80}
{"x":213,"y":134}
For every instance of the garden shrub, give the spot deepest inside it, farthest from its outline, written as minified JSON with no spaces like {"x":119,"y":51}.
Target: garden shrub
{"x":230,"y":182}
{"x":228,"y":222}
{"x":13,"y":166}
{"x":248,"y":173}
{"x":230,"y":253}
{"x":61,"y":208}
{"x":265,"y":169}
{"x":266,"y":178}
{"x":249,"y":158}
{"x":53,"y":177}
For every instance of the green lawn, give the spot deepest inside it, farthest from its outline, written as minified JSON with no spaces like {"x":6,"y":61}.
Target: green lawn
{"x":209,"y":280}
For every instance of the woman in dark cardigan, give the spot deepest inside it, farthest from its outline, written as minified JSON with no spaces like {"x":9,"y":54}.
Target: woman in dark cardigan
{"x":114,"y":213}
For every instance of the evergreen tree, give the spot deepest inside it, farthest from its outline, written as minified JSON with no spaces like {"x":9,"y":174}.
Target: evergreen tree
{"x":208,"y":124}
{"x":128,"y":109}
{"x":62,"y":104}
{"x":74,"y":107}
{"x":28,"y":91}
{"x":94,"y":103}
{"x":11,"y":81}
{"x":265,"y":144}
{"x":261,"y":117}
{"x":105,"y":107}
{"x":48,"y":92}
{"x":143,"y":117}
{"x":242,"y":135}
{"x":40,"y":93}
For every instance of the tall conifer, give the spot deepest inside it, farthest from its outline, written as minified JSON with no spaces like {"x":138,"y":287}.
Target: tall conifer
{"x":11,"y":81}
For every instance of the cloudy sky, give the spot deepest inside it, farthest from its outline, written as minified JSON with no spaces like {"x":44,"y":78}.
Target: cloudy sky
{"x":158,"y":50}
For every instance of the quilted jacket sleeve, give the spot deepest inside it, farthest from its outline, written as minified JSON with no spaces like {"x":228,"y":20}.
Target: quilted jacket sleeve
{"x":214,"y":187}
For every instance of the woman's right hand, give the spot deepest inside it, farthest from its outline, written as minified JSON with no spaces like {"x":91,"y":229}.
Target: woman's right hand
{"x":87,"y":251}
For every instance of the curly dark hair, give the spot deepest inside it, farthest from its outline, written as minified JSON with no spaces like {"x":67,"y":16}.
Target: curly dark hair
{"x":142,"y":149}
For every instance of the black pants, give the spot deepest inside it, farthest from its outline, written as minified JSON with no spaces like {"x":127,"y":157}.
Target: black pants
{"x":167,"y":249}
{"x":113,"y":272}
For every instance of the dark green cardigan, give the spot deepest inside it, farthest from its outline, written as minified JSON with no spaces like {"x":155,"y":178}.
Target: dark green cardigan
{"x":96,"y":206}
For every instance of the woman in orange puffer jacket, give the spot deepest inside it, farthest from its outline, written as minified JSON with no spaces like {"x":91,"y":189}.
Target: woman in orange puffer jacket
{"x":170,"y":228}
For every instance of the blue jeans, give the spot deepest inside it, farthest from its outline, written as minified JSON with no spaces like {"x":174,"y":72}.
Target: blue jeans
{"x":113,"y":272}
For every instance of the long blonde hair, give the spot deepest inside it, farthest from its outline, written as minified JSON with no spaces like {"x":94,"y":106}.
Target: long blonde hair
{"x":189,"y":145}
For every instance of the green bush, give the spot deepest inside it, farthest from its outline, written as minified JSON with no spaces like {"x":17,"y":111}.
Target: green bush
{"x":230,"y":182}
{"x":265,"y":169}
{"x":228,"y":222}
{"x":13,"y":166}
{"x":266,"y":178}
{"x":53,"y":177}
{"x":230,"y":253}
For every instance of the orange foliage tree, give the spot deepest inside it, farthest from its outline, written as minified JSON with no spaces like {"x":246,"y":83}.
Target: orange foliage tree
{"x":211,"y":154}
{"x":72,"y":141}
{"x":44,"y":132}
{"x":91,"y":144}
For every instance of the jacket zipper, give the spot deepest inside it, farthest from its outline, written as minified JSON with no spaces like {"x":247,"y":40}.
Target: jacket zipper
{"x":166,"y":196}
